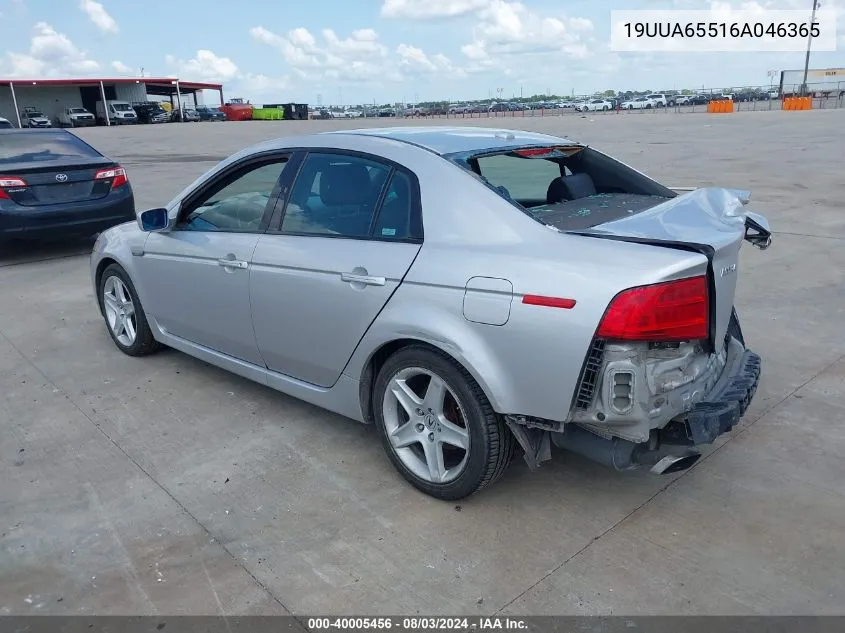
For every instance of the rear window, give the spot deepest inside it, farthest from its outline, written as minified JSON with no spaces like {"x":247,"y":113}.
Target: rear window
{"x":31,"y":147}
{"x":526,"y":180}
{"x":569,"y":187}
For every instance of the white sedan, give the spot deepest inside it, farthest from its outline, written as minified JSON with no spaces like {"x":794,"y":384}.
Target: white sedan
{"x":640,"y":103}
{"x":594,"y":105}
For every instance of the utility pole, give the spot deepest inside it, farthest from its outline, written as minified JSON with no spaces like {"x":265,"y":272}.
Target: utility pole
{"x":809,"y":43}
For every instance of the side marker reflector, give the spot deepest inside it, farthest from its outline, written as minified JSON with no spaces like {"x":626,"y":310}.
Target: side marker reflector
{"x":548,"y":302}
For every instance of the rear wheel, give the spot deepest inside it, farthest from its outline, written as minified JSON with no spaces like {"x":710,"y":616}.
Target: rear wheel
{"x":124,"y":316}
{"x":437,"y":426}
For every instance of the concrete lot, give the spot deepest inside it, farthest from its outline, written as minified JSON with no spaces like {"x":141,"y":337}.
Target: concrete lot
{"x":165,"y":486}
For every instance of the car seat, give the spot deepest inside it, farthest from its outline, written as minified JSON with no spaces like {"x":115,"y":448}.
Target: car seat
{"x":570,"y":187}
{"x":345,"y":191}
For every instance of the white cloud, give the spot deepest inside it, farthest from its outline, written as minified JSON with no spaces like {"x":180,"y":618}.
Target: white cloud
{"x":205,"y":66}
{"x":361,"y":56}
{"x":97,"y":13}
{"x":120,"y":67}
{"x":414,"y":61}
{"x":427,"y":9}
{"x":51,"y":54}
{"x":510,"y":27}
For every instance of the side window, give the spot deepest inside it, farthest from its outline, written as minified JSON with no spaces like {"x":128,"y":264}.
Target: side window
{"x":524,"y":179}
{"x":394,"y":218}
{"x":238,"y":206}
{"x":334,"y":194}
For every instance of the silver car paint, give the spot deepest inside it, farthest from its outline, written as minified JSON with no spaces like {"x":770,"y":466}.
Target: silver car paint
{"x":529,"y":366}
{"x":195,"y":298}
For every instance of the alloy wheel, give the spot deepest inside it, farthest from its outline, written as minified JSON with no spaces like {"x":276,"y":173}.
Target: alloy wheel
{"x":120,"y":311}
{"x":426,"y":425}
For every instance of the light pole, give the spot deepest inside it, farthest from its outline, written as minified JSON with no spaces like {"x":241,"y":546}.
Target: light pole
{"x":809,"y":43}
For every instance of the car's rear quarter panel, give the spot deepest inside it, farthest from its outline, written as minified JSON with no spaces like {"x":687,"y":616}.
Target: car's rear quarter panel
{"x":531,"y":364}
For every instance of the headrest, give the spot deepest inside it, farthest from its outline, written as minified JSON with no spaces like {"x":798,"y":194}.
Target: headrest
{"x":345,"y":183}
{"x":570,"y":188}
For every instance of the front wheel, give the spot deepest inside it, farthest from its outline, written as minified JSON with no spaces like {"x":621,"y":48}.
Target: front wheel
{"x":437,"y":426}
{"x":124,"y":316}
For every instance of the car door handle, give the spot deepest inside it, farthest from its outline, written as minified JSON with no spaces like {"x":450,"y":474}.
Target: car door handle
{"x":362,"y":279}
{"x":232,"y":263}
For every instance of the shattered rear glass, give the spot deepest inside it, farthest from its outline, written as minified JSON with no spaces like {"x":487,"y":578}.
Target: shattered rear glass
{"x":590,"y":211}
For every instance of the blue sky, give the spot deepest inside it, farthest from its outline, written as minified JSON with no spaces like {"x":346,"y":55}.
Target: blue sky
{"x":357,"y":51}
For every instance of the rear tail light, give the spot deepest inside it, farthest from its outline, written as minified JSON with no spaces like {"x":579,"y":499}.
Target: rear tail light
{"x":118,"y":174}
{"x":672,"y":311}
{"x":10,"y":182}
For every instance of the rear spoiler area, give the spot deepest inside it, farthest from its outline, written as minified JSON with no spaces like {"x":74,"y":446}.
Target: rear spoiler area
{"x":757,"y":231}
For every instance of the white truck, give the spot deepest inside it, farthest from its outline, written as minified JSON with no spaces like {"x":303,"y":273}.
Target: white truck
{"x":76,"y":117}
{"x":821,"y":82}
{"x":119,"y":112}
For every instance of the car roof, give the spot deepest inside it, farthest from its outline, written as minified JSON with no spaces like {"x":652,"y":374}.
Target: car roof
{"x":457,"y":140}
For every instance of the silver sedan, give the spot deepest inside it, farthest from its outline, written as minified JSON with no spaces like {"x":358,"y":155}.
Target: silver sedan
{"x":472,"y":292}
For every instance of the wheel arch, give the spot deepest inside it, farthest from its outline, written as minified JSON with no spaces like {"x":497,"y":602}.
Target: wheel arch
{"x":378,"y":357}
{"x":104,"y":263}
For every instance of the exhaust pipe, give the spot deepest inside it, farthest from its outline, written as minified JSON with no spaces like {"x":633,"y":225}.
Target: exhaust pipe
{"x":620,"y":454}
{"x":675,"y":463}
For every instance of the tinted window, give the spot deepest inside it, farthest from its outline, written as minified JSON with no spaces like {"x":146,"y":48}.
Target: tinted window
{"x":239,"y":206}
{"x":335,"y":195}
{"x":4,"y":125}
{"x":525,"y":179}
{"x":31,"y":147}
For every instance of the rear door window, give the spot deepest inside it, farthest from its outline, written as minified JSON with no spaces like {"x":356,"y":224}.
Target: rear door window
{"x":32,"y":147}
{"x":336,"y":194}
{"x":526,"y":180}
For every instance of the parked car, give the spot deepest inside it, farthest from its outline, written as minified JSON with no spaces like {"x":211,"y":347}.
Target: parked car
{"x":699,"y":100}
{"x":379,"y":287}
{"x":658,"y":99}
{"x":640,"y":103}
{"x":33,"y":117}
{"x":118,"y":112}
{"x":189,"y":115}
{"x":683,"y":100}
{"x":593,"y":105}
{"x":76,"y":117}
{"x":150,"y":112}
{"x":210,"y":114}
{"x":5,"y":124}
{"x":53,"y":183}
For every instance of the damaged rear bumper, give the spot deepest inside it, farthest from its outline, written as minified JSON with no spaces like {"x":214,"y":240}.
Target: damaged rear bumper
{"x":669,"y":448}
{"x":727,"y":402}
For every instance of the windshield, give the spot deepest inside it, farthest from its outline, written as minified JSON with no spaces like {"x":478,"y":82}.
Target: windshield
{"x":34,"y":113}
{"x":30,"y":147}
{"x":122,"y":107}
{"x":78,"y":111}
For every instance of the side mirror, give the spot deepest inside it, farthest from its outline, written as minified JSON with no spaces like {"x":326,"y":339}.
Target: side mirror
{"x":154,"y":220}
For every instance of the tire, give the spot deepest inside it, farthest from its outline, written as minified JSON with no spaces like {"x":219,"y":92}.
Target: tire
{"x":142,"y":343}
{"x":465,"y":417}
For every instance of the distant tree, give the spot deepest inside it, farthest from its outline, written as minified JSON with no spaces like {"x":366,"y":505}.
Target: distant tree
{"x":609,"y":93}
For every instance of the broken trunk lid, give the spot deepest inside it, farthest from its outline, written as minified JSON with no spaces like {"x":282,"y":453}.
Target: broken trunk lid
{"x":709,"y":220}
